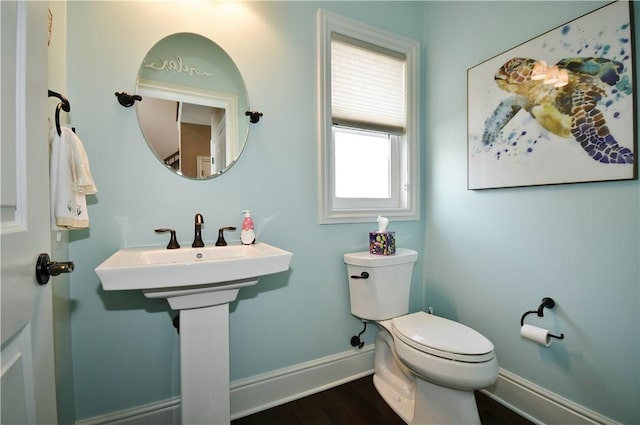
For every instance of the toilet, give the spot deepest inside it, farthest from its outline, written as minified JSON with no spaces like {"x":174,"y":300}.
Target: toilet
{"x":425,"y":367}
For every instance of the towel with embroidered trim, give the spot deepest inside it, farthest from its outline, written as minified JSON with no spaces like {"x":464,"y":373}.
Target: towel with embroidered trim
{"x":71,"y":181}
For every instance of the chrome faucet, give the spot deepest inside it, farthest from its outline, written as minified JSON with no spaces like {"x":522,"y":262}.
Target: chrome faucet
{"x":197,"y":240}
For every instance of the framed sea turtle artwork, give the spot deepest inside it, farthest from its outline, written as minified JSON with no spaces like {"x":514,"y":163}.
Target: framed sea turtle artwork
{"x":559,"y":108}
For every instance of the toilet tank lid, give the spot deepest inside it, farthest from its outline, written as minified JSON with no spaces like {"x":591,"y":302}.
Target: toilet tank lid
{"x":366,"y":259}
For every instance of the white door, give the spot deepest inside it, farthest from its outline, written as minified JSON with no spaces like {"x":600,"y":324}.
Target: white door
{"x":27,"y":381}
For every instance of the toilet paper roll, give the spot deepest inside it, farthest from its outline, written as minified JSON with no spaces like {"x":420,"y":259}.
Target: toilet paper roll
{"x":536,"y":334}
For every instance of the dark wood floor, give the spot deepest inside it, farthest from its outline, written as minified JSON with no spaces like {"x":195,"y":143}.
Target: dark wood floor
{"x":358,"y":403}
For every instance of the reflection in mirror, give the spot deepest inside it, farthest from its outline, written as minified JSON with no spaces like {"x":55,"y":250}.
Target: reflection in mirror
{"x":191,"y":112}
{"x":189,"y":138}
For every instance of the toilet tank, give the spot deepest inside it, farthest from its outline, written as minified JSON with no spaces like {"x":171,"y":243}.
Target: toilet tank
{"x":379,"y":284}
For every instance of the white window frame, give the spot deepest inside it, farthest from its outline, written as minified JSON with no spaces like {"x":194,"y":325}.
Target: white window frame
{"x":331,"y":209}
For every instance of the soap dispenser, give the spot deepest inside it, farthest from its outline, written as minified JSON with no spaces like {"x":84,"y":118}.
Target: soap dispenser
{"x":247,"y":235}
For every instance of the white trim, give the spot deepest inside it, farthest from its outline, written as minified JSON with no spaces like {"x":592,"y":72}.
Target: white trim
{"x":16,"y":358}
{"x":328,"y":23}
{"x":259,"y":392}
{"x":539,"y":405}
{"x":164,"y":412}
{"x":282,"y":386}
{"x":19,"y":124}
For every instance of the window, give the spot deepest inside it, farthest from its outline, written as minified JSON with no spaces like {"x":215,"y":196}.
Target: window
{"x":368,"y":129}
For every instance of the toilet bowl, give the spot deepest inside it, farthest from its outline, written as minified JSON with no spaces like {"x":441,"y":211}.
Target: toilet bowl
{"x":444,"y":351}
{"x":426,"y":367}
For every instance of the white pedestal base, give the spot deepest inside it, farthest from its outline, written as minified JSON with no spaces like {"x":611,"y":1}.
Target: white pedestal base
{"x":204,"y":354}
{"x":204,"y":365}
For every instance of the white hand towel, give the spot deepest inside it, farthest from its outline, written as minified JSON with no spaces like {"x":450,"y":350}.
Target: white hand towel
{"x":82,"y":181}
{"x":71,"y":180}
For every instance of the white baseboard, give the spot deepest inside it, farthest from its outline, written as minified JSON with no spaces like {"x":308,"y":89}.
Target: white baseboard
{"x":271,"y":389}
{"x":258,"y":392}
{"x":539,"y":405}
{"x":281,"y":386}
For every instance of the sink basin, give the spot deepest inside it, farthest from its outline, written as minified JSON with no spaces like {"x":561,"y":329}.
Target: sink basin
{"x":149,"y":268}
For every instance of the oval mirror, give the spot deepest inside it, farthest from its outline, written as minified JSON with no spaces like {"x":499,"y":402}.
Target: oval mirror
{"x":192,"y":112}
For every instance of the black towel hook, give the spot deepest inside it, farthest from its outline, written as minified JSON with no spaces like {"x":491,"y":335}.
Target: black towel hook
{"x":546,"y":303}
{"x":64,"y":105}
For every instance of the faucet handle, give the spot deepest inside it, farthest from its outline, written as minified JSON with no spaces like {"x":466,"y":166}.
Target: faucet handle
{"x":173,"y":243}
{"x":221,"y":241}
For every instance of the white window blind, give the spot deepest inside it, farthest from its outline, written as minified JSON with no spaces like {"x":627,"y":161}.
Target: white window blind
{"x":367,"y":86}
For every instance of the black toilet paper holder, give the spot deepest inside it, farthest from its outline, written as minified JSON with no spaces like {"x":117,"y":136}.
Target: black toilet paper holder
{"x":546,"y":303}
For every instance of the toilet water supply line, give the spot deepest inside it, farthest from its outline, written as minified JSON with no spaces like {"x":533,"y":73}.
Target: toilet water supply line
{"x":355,"y":340}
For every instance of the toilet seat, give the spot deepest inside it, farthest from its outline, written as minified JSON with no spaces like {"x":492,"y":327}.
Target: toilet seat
{"x":443,"y":338}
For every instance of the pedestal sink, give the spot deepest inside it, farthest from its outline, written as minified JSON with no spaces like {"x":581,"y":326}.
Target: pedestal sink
{"x":200,"y":282}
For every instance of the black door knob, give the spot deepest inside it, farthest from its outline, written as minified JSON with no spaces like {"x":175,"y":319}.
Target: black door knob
{"x":46,"y":268}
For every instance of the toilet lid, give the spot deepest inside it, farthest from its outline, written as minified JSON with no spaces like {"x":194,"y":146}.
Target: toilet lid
{"x":442,"y":337}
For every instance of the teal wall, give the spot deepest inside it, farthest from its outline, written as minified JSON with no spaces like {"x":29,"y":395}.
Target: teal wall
{"x":125,"y":351}
{"x":491,"y":255}
{"x":487,"y":256}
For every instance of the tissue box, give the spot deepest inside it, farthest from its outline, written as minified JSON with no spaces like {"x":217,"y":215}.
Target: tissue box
{"x":382,"y":243}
